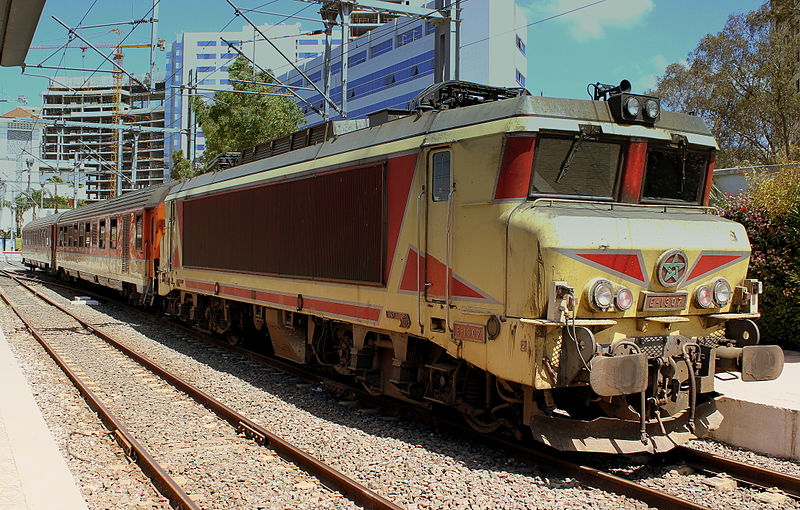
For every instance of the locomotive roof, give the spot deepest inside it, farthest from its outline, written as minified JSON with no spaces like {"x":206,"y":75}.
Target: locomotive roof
{"x":443,"y":120}
{"x":146,"y":198}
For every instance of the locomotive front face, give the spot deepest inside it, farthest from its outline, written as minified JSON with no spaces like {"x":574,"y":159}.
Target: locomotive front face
{"x":637,"y":305}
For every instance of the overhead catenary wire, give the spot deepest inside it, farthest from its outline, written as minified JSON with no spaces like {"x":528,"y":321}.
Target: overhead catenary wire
{"x":173,"y":121}
{"x":576,"y":9}
{"x":246,"y":18}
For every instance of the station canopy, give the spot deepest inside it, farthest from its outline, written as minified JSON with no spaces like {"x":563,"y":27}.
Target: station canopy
{"x":18,"y":20}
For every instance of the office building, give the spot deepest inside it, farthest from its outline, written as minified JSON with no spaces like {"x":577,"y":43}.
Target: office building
{"x":390,"y":65}
{"x":20,"y":165}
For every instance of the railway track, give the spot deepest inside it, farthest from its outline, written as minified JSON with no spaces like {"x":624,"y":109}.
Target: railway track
{"x":581,"y":471}
{"x":135,"y":449}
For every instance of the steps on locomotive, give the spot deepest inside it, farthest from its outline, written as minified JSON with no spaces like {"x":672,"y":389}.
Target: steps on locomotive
{"x":763,"y":416}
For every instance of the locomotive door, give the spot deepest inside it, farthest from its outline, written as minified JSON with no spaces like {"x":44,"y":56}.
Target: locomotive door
{"x":438,"y":228}
{"x":126,"y":243}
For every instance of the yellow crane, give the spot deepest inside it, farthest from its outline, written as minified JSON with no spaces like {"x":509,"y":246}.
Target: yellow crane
{"x":118,"y":112}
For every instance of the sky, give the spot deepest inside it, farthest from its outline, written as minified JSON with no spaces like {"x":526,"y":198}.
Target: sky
{"x":603,"y":40}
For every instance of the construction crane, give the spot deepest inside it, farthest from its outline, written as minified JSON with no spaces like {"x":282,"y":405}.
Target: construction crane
{"x":118,"y":112}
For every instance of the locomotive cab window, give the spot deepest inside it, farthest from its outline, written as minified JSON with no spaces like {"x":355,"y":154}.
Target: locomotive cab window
{"x":575,"y":166}
{"x":138,"y":231}
{"x":440,"y":176}
{"x":674,"y":174}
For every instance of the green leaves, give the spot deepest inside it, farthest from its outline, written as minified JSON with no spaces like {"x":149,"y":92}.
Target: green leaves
{"x":743,"y":83}
{"x":232,"y":122}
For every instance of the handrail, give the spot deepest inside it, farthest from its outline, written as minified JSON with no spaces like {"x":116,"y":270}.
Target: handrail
{"x":448,"y":255}
{"x":419,"y":258}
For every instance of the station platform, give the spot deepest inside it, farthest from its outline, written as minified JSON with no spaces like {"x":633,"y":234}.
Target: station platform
{"x":33,"y":474}
{"x":763,"y":416}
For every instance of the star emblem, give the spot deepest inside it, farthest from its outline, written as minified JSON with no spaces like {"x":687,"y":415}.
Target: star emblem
{"x":672,"y":268}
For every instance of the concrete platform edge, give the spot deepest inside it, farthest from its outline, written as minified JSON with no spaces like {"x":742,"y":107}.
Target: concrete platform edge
{"x":44,"y":476}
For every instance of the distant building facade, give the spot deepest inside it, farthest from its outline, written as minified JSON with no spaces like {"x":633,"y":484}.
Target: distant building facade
{"x":390,"y":65}
{"x":109,"y":162}
{"x":202,"y":59}
{"x":20,"y":167}
{"x":391,"y":59}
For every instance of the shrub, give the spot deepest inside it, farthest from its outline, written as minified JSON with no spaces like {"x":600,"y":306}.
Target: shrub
{"x":770,"y":211}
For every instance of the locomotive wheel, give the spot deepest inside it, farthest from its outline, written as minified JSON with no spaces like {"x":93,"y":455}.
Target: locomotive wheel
{"x":234,"y":340}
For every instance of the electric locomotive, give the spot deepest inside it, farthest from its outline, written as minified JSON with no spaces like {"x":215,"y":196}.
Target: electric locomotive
{"x":543,"y":266}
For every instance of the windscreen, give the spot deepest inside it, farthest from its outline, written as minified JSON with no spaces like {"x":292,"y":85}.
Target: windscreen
{"x":674,"y":174}
{"x":574,"y":166}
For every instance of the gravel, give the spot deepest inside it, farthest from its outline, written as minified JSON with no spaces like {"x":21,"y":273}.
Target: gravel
{"x":408,"y":462}
{"x":215,"y":466}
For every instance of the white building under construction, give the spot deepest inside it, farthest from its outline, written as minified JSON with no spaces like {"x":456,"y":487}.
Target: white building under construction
{"x":106,"y":161}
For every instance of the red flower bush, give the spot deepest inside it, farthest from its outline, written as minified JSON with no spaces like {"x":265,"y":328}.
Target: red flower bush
{"x":770,"y":211}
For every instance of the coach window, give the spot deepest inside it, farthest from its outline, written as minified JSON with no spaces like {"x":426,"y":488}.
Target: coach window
{"x":88,"y":240}
{"x":575,"y":166}
{"x":113,"y":228}
{"x":139,"y":225}
{"x":101,"y":243}
{"x":81,"y":234}
{"x":440,"y":181}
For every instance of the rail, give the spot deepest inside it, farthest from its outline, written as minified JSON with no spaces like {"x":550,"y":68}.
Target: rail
{"x":340,"y":482}
{"x":585,"y":474}
{"x":133,"y":449}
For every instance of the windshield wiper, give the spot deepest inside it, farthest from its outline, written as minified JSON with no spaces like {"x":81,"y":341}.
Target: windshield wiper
{"x":586,"y":131}
{"x":683,"y":145}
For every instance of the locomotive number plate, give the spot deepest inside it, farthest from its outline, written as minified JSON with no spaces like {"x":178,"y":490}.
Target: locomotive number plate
{"x":471,"y":332}
{"x":664,"y":301}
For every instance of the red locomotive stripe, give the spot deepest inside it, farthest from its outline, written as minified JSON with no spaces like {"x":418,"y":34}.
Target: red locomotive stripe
{"x":635,"y":160}
{"x":359,"y":311}
{"x":354,"y":310}
{"x":712,"y":162}
{"x":436,"y":275}
{"x":708,"y":263}
{"x":515,"y":171}
{"x":400,"y":175}
{"x":625,"y":263}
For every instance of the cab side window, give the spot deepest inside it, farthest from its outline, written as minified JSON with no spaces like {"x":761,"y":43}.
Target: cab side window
{"x":440,"y":176}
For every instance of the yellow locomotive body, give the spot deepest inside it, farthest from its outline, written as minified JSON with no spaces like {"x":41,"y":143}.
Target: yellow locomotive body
{"x":517,"y":260}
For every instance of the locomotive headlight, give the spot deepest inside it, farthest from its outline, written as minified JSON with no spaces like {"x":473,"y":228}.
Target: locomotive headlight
{"x":651,"y":109}
{"x":624,"y":299}
{"x":704,"y":297}
{"x":602,"y":295}
{"x":632,"y":106}
{"x":722,"y":292}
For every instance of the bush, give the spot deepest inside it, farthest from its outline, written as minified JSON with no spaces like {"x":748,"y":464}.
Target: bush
{"x":770,"y":211}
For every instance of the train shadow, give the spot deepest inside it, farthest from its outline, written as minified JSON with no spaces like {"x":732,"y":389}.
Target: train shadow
{"x":468,"y":451}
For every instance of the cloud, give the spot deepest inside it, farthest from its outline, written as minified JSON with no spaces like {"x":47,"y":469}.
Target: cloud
{"x":645,"y":75}
{"x":591,"y":22}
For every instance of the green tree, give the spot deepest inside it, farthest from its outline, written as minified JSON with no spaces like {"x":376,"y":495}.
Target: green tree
{"x":236,"y":121}
{"x":743,"y":83}
{"x":181,"y":167}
